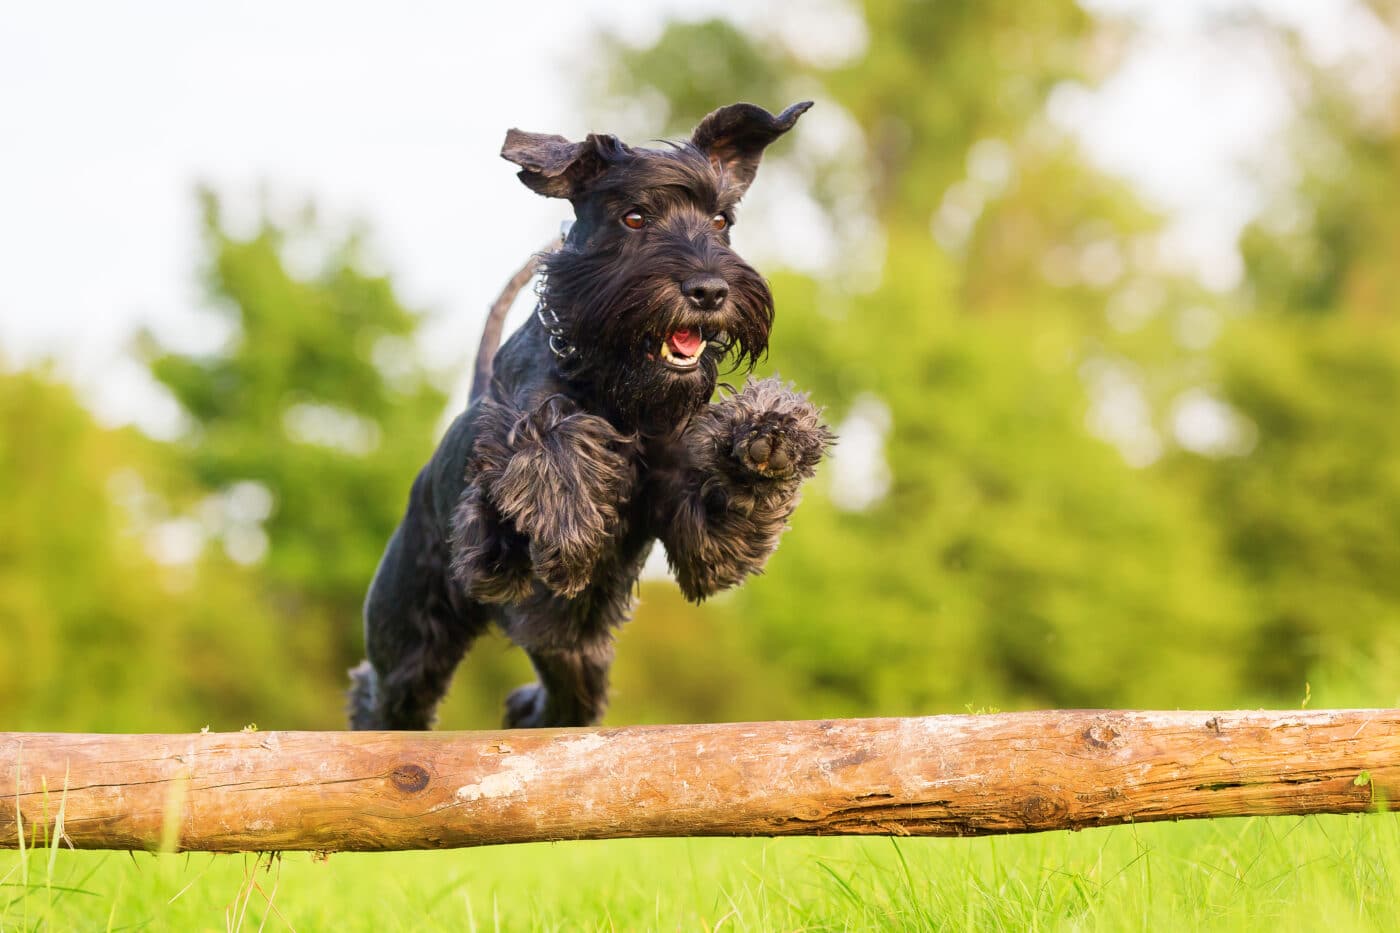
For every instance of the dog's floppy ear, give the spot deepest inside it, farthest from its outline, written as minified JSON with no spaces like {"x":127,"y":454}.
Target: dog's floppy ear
{"x":734,"y":137}
{"x":556,"y":168}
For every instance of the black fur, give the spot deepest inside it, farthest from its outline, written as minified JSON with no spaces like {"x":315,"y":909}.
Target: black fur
{"x":539,"y":506}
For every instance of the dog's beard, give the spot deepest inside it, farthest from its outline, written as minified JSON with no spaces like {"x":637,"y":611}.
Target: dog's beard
{"x":651,"y":356}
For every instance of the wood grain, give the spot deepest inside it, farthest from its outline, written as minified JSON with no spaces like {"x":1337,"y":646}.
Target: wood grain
{"x":937,"y":776}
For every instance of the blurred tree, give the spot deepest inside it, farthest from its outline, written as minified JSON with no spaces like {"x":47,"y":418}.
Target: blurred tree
{"x":99,"y":635}
{"x":1312,"y":515}
{"x":1328,"y":239}
{"x":319,"y":403}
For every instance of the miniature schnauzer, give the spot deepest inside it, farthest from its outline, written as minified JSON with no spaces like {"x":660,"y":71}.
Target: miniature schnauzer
{"x":595,"y":435}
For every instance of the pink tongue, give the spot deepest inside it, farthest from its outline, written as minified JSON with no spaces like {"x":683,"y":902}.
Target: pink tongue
{"x":685,"y":342}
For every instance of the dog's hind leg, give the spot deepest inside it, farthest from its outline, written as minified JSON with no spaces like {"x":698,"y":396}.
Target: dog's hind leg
{"x":572,"y":689}
{"x":570,"y":644}
{"x":414,"y":636}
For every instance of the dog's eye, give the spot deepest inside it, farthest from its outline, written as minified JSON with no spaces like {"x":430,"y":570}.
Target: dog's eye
{"x":634,"y":220}
{"x":719,"y":222}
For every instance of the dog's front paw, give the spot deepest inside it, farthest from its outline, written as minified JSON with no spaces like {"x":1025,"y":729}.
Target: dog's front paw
{"x":567,"y":567}
{"x":490,"y":559}
{"x":775,"y":432}
{"x":559,"y":476}
{"x":525,"y":707}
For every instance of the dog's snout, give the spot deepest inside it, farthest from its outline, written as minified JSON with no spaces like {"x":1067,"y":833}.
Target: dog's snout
{"x":706,"y":292}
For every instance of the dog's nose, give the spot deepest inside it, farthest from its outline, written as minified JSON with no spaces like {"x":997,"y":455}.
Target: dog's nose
{"x":705,"y":292}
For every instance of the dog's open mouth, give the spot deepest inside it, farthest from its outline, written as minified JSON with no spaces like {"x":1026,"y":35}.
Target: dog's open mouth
{"x":682,"y":349}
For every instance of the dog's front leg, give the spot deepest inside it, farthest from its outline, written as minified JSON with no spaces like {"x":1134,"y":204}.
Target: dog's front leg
{"x":720,"y":514}
{"x":559,"y":476}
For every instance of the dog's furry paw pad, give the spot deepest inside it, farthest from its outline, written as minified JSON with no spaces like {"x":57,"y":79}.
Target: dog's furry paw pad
{"x":770,"y":430}
{"x":525,"y":707}
{"x":780,"y":445}
{"x":767,"y":452}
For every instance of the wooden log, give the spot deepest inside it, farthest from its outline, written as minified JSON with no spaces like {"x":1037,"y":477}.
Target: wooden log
{"x":937,"y":776}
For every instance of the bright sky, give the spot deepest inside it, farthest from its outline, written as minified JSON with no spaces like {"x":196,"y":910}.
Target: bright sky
{"x":110,"y":114}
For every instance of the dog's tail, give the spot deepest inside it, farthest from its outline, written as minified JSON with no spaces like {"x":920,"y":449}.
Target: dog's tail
{"x":496,"y":320}
{"x":364,"y":700}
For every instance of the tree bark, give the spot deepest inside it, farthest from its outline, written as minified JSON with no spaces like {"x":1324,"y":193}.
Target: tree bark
{"x":932,"y":776}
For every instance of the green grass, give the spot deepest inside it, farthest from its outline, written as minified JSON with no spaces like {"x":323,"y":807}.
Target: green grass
{"x":1279,"y":874}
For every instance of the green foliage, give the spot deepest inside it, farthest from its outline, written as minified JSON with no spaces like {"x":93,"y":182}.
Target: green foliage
{"x":320,"y":397}
{"x":98,"y":635}
{"x":1311,"y":517}
{"x":1016,"y":558}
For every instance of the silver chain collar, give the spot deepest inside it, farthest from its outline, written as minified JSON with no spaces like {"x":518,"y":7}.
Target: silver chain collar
{"x":559,"y":343}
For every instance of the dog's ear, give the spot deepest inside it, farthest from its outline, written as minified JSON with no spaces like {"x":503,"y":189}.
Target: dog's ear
{"x":556,"y":168}
{"x":734,"y":138}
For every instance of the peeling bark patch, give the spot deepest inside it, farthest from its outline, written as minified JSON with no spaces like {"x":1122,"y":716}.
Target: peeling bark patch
{"x":586,"y":744}
{"x":509,"y":781}
{"x":409,"y":778}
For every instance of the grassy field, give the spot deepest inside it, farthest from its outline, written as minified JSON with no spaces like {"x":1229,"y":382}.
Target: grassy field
{"x":1280,"y":874}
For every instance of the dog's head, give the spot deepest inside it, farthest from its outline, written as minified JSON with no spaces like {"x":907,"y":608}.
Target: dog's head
{"x":648,"y":293}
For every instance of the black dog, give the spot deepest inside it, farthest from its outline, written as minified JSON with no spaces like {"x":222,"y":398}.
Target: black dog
{"x":596,"y":435}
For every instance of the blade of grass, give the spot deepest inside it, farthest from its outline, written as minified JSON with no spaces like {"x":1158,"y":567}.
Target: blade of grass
{"x":195,"y":880}
{"x":69,"y":888}
{"x":19,"y":819}
{"x":58,"y":823}
{"x":841,"y":883}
